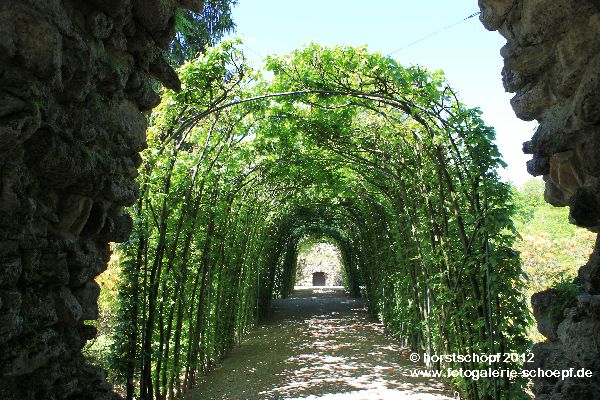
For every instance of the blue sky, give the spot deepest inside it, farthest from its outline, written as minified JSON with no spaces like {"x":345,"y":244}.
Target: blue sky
{"x":467,"y":53}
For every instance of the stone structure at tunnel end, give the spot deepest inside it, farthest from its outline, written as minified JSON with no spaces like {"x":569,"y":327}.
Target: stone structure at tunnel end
{"x":74,"y":84}
{"x":322,"y":259}
{"x":552,"y":63}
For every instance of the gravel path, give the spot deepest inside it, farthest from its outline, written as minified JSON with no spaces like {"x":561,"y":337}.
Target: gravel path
{"x":318,"y":344}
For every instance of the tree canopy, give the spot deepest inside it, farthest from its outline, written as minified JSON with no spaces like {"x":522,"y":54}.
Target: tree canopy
{"x":195,"y":31}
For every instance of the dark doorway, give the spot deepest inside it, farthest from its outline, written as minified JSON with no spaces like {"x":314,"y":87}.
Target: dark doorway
{"x":318,"y":278}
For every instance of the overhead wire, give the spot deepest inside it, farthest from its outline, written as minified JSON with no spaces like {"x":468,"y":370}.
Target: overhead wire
{"x":435,"y":33}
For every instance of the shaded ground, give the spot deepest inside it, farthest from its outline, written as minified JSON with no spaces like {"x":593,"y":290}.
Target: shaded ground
{"x":318,"y":344}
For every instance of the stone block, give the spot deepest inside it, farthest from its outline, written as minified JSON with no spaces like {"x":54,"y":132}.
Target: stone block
{"x":589,"y":103}
{"x":81,"y":267}
{"x":32,"y":41}
{"x":87,"y":332}
{"x":586,"y":150}
{"x":584,"y":208}
{"x":192,"y":5}
{"x":529,"y":103}
{"x":125,"y":121}
{"x":155,"y":16}
{"x":11,"y":322}
{"x":53,"y":268}
{"x":30,"y":352}
{"x":589,"y":304}
{"x":493,"y":13}
{"x":100,"y":25}
{"x":578,"y":389}
{"x":121,"y":191}
{"x":580,"y":338}
{"x":44,"y":267}
{"x":96,"y":220}
{"x":74,"y":213}
{"x":10,"y":271}
{"x":547,"y":320}
{"x":85,"y":261}
{"x":67,"y":307}
{"x":114,"y":70}
{"x":591,"y":274}
{"x":161,"y":70}
{"x":574,"y":52}
{"x":548,"y":356}
{"x":10,"y":301}
{"x":539,"y":165}
{"x":141,"y":92}
{"x":113,"y":8}
{"x":117,"y":229}
{"x":8,"y":248}
{"x":526,"y":62}
{"x":56,"y":160}
{"x":38,"y":309}
{"x":11,"y":325}
{"x":87,"y":296}
{"x":565,"y":172}
{"x":10,"y":104}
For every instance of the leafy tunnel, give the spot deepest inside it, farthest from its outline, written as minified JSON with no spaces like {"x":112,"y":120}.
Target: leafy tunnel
{"x":337,"y":142}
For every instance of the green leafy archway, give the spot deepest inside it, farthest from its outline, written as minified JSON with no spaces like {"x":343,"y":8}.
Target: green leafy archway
{"x":340,"y":142}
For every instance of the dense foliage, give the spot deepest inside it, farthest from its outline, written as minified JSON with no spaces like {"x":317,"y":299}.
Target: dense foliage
{"x":340,"y":143}
{"x":551,"y":251}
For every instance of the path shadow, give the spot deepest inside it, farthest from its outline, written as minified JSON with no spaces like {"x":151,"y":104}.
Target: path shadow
{"x":318,"y":344}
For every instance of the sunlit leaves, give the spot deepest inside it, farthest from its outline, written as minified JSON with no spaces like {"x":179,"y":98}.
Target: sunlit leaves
{"x":341,"y":143}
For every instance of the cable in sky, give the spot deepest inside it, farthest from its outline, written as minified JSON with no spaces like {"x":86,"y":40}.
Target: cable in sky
{"x":436,"y":32}
{"x":252,"y":50}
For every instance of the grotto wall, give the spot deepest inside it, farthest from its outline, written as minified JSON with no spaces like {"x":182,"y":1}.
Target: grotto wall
{"x":322,"y":257}
{"x":552,"y":64}
{"x":74,"y":83}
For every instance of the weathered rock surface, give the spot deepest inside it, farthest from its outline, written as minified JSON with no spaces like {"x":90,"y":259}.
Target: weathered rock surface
{"x":322,"y":258}
{"x":547,"y":318}
{"x":74,"y":81}
{"x":552,"y":64}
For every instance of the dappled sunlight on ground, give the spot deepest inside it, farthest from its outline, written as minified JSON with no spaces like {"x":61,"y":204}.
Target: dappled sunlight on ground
{"x":318,"y":346}
{"x":373,"y":394}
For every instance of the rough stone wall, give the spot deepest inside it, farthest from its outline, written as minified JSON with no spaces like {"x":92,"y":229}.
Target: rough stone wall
{"x":322,"y":257}
{"x":74,"y":83}
{"x":552,"y":63}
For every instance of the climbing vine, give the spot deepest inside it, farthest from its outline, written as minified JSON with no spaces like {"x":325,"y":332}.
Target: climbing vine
{"x":338,"y":142}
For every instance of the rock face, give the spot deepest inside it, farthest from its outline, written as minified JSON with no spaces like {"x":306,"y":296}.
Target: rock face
{"x":74,"y":83}
{"x":552,"y":63}
{"x":322,"y":258}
